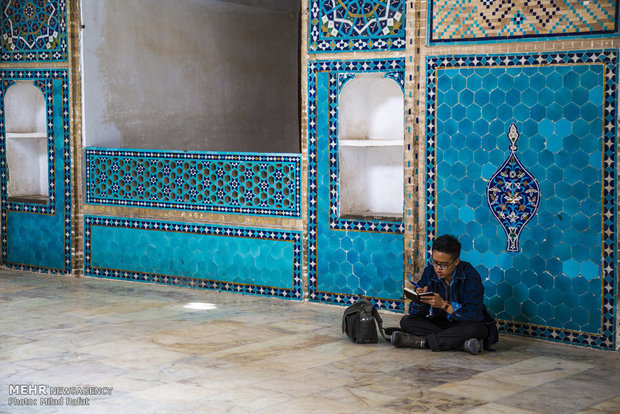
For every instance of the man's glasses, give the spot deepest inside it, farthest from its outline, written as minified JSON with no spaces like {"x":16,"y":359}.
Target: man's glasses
{"x":438,"y":265}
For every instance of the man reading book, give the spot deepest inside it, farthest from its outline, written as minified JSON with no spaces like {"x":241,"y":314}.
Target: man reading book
{"x":454,"y":316}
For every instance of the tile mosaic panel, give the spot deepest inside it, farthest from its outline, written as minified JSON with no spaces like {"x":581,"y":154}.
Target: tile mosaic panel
{"x":38,"y":236}
{"x":238,"y":183}
{"x":492,"y":20}
{"x":561,"y":284}
{"x":356,"y":25}
{"x":34,"y":30}
{"x":253,"y":261}
{"x":345,"y":258}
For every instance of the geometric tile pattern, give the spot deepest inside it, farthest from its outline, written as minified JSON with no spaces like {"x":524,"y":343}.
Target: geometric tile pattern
{"x":396,"y":73}
{"x":487,"y":20}
{"x":356,"y":25}
{"x":513,"y":195}
{"x":239,"y":183}
{"x":253,"y":261}
{"x":561,"y":284}
{"x":348,"y":261}
{"x":38,"y":236}
{"x":34,"y":30}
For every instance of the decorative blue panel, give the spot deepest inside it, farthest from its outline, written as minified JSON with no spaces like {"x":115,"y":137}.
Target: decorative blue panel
{"x":513,"y":194}
{"x":346,"y":258}
{"x":240,"y":183}
{"x":356,"y":25}
{"x":488,"y":20}
{"x":38,"y":236}
{"x":252,"y":261}
{"x":561,"y":284}
{"x":34,"y":30}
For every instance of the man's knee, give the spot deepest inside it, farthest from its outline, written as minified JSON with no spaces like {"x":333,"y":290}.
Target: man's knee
{"x":477,"y":330}
{"x":409,"y":321}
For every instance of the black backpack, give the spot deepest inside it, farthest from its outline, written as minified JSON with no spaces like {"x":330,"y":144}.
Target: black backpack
{"x":360,"y":322}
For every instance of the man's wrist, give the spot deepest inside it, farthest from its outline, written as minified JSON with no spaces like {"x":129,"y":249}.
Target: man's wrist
{"x":446,"y":306}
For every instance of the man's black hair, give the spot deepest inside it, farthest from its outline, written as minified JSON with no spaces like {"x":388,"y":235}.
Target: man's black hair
{"x":447,"y":244}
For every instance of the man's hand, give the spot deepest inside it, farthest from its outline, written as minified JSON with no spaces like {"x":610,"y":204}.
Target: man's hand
{"x":435,"y":301}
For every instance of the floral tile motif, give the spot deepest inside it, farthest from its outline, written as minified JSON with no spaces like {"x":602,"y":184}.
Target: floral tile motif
{"x":513,"y":194}
{"x":34,"y":30}
{"x":356,"y":25}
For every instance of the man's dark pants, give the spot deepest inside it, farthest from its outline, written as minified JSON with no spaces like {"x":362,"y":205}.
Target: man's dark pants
{"x":441,"y":334}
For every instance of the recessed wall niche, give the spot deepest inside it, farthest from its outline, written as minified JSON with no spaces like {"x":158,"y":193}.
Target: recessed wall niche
{"x":370,"y":147}
{"x":26,"y":143}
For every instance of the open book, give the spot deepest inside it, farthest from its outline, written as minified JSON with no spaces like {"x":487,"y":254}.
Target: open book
{"x":414,"y":296}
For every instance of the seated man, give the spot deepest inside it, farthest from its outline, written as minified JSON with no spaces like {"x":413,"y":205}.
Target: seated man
{"x":454,"y":316}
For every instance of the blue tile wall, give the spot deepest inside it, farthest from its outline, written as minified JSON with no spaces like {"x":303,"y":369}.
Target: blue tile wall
{"x":252,"y":261}
{"x":238,"y":183}
{"x":34,"y":30}
{"x":345,"y":258}
{"x":38,"y":236}
{"x":353,"y":25}
{"x":558,"y":281}
{"x":517,"y":20}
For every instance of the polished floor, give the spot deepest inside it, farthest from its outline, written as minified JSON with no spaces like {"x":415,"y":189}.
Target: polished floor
{"x":141,"y":348}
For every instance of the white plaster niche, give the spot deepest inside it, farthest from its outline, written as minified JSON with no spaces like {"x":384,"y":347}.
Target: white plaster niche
{"x":370,"y":148}
{"x":26,"y":143}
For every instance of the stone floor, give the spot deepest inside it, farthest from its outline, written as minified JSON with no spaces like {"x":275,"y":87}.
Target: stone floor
{"x":175,"y":350}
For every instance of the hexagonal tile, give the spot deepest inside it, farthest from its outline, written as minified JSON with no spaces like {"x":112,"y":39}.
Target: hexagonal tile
{"x":571,"y":268}
{"x":554,"y":296}
{"x":590,"y":270}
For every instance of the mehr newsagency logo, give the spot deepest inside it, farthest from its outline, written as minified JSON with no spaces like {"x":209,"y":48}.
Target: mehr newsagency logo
{"x":31,"y":395}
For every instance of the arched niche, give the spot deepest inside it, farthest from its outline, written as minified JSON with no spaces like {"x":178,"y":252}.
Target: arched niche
{"x":26,"y":143}
{"x":370,"y":146}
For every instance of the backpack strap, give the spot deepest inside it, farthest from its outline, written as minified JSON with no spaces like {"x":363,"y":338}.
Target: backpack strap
{"x":377,"y":317}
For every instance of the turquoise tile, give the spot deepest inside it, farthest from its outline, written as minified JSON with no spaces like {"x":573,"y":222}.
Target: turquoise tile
{"x":538,"y":112}
{"x":595,"y":95}
{"x":546,"y":96}
{"x":554,"y":296}
{"x":537,"y":295}
{"x":590,"y":112}
{"x":512,"y":307}
{"x":571,"y":112}
{"x":590,"y":270}
{"x":571,"y":268}
{"x":520,"y":292}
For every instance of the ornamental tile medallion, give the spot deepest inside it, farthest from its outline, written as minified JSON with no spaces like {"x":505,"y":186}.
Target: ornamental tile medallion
{"x":34,"y":30}
{"x":513,"y":194}
{"x":356,"y":25}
